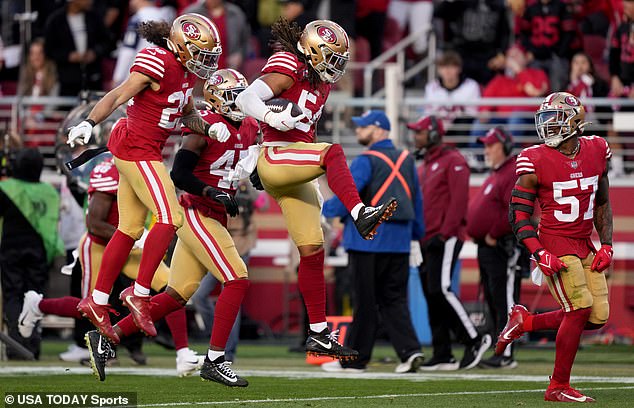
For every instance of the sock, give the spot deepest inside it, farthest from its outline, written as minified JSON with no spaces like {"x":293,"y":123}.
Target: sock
{"x":65,"y":306}
{"x":160,"y":306}
{"x":312,"y":286}
{"x":567,"y":343}
{"x":339,"y":178}
{"x":544,"y":321}
{"x":355,"y":211}
{"x":215,"y":354}
{"x":177,"y":322}
{"x":318,"y":327}
{"x":181,"y":351}
{"x":115,"y":256}
{"x":158,"y":239}
{"x":227,"y":308}
{"x":140,"y":290}
{"x":99,"y":297}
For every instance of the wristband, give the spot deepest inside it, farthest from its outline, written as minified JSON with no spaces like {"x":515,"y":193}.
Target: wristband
{"x":92,"y":122}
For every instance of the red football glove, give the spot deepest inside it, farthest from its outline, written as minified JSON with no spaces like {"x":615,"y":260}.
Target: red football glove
{"x":602,"y":259}
{"x":549,"y":263}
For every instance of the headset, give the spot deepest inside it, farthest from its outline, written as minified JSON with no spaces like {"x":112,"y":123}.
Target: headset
{"x":434,"y":132}
{"x":505,"y":138}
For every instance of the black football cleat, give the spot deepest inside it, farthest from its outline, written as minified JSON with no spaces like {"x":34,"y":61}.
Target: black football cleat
{"x":326,"y":344}
{"x":371,"y":217}
{"x":100,"y":350}
{"x":220,"y":371}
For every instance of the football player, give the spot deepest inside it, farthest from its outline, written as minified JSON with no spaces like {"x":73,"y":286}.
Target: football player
{"x":303,"y":70}
{"x":102,"y":219}
{"x":568,"y":174}
{"x":158,"y":93}
{"x":204,"y":244}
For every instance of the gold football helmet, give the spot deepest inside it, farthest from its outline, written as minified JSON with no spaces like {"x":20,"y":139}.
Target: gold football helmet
{"x":325,"y":45}
{"x":196,"y":42}
{"x":560,"y":116}
{"x":220,"y":92}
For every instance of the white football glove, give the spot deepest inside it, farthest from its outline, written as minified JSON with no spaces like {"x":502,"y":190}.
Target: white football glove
{"x":140,"y":243}
{"x":219,"y":132}
{"x":284,"y":120}
{"x":80,"y":134}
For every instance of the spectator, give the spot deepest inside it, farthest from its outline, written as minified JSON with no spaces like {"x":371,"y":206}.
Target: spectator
{"x":39,"y":75}
{"x":369,"y":24}
{"x":479,"y":31}
{"x":76,"y":40}
{"x":233,"y":28}
{"x":622,"y":55}
{"x":488,"y":226}
{"x":584,"y":81}
{"x":444,"y":177}
{"x":448,"y":90}
{"x":300,"y":11}
{"x":414,"y":15}
{"x":380,"y":267}
{"x":30,"y":213}
{"x":142,"y":10}
{"x":547,"y":30}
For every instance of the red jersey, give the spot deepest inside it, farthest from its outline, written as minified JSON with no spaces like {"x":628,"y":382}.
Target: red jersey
{"x":310,"y":99}
{"x":215,"y":162}
{"x":152,"y":115}
{"x":105,"y":179}
{"x":566,"y":192}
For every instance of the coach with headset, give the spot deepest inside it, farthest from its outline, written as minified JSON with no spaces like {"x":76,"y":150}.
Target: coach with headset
{"x":488,"y":226}
{"x":444,"y":177}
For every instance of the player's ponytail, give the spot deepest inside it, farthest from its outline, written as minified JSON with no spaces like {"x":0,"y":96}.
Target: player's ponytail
{"x":285,"y":38}
{"x":155,"y":32}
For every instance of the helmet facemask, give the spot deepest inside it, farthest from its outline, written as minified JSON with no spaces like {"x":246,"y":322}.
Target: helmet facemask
{"x":204,"y":62}
{"x":554,"y":126}
{"x":222,"y":89}
{"x":333,"y":65}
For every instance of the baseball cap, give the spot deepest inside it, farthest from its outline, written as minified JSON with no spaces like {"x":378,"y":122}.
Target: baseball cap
{"x":425,"y":123}
{"x":372,"y":117}
{"x":495,"y":135}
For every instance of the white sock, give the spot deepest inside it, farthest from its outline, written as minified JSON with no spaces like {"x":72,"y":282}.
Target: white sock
{"x":355,"y":211}
{"x":140,"y":290}
{"x":214,"y":354}
{"x":100,"y":297}
{"x":318,"y":327}
{"x":182,"y":351}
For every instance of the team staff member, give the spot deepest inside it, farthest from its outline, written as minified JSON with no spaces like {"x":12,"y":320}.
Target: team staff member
{"x":487,"y":224}
{"x":445,"y":184}
{"x":380,"y":267}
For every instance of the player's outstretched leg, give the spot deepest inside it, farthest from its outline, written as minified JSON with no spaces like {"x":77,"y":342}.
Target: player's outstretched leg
{"x":370,"y":218}
{"x":99,"y":315}
{"x":100,"y":349}
{"x":325,"y":344}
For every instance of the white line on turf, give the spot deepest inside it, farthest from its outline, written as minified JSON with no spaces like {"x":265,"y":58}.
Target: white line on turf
{"x":366,"y":397}
{"x":313,"y":374}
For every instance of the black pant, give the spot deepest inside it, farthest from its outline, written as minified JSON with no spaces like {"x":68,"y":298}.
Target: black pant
{"x":22,"y":269}
{"x":501,"y":280}
{"x":380,"y":288}
{"x":446,"y":312}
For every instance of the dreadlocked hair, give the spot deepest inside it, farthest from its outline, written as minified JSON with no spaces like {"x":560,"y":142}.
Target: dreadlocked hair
{"x":155,"y":32}
{"x":286,"y":35}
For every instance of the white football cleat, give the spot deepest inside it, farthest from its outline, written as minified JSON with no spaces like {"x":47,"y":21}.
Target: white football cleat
{"x":30,"y":314}
{"x":188,"y":362}
{"x":75,"y":354}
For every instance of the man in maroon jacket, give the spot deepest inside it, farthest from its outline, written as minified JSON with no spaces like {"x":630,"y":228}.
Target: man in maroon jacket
{"x":444,"y":177}
{"x":488,"y":225}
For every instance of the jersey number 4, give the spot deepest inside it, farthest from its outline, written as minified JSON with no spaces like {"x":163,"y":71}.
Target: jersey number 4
{"x":224,"y":164}
{"x":572,"y":201}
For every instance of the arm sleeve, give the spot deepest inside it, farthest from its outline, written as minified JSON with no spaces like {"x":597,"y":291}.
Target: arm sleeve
{"x":418,"y":231}
{"x":361,"y":171}
{"x":183,"y":172}
{"x":251,"y":100}
{"x":458,"y":182}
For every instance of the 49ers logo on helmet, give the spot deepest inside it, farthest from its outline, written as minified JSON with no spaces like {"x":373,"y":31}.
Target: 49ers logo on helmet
{"x":191,"y":30}
{"x":215,"y":80}
{"x":327,"y":34}
{"x":571,"y":100}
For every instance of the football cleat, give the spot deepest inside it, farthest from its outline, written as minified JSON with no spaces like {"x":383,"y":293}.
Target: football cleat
{"x":567,"y":394}
{"x":336,"y":367}
{"x":139,"y":309}
{"x":101,"y":350}
{"x":371,"y":217}
{"x":187,"y":362}
{"x":411,"y":365}
{"x":99,"y":315}
{"x":501,"y":362}
{"x":220,"y":371}
{"x":473,"y":353}
{"x":440,"y":364}
{"x":75,"y":354}
{"x":30,"y":314}
{"x":513,"y":330}
{"x":325,"y":344}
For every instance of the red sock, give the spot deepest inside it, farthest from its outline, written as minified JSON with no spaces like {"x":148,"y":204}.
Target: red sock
{"x":157,"y":241}
{"x":160,"y":306}
{"x":227,"y":308}
{"x":567,"y":343}
{"x":339,"y":178}
{"x":544,"y":321}
{"x":114,"y":257}
{"x":177,"y":322}
{"x":312,"y":286}
{"x":65,"y":306}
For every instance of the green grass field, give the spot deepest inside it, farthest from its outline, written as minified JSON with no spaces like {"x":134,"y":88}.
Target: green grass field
{"x":280,"y":378}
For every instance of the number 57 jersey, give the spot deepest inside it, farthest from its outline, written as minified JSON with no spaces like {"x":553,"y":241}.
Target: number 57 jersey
{"x":566,"y":192}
